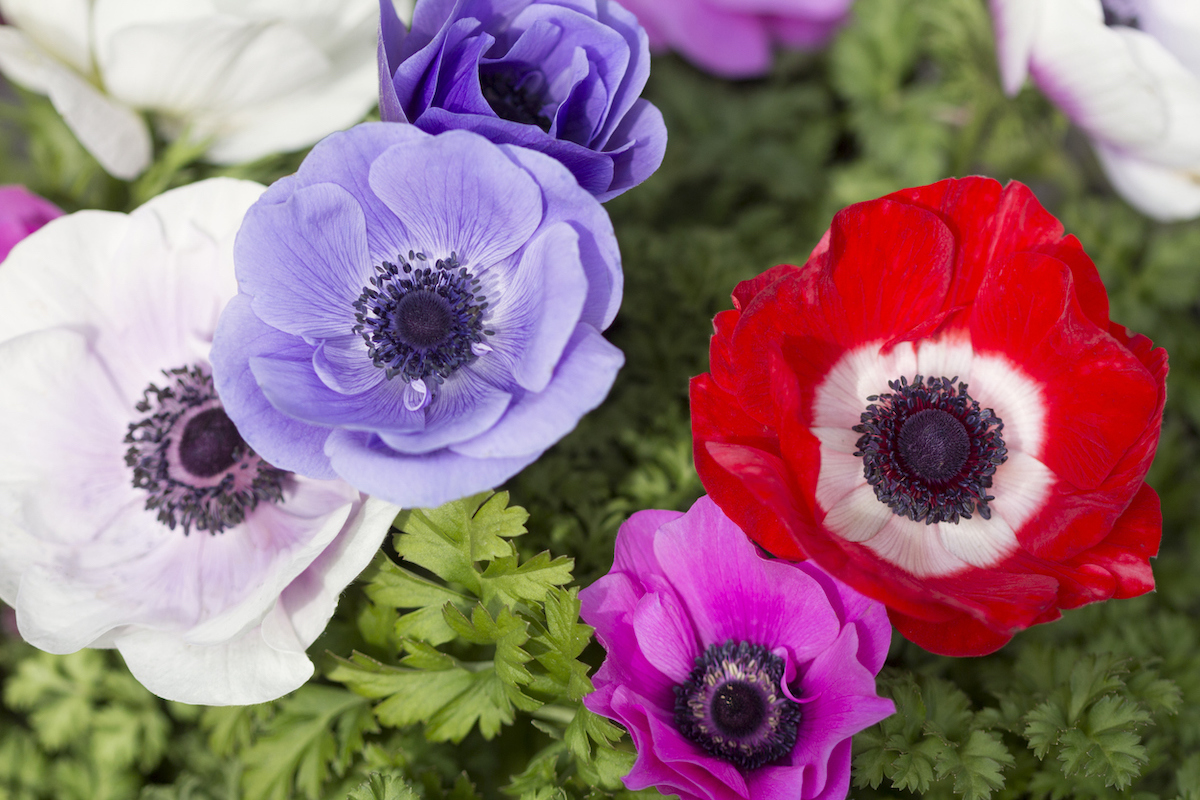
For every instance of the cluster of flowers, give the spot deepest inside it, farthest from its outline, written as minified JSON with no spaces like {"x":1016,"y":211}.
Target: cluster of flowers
{"x":215,"y":405}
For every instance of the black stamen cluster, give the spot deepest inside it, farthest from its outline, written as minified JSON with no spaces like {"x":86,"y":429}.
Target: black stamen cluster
{"x":930,"y":451}
{"x":516,"y":96}
{"x":420,"y":322}
{"x":194,"y":500}
{"x":732,"y":705}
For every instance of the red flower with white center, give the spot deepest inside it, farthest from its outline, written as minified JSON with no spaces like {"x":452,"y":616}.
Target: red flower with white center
{"x":937,"y":410}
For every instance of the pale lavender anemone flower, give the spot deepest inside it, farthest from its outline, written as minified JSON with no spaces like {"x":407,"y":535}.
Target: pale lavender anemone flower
{"x":21,"y":213}
{"x":132,"y":515}
{"x":737,"y":676}
{"x":560,"y":76}
{"x":419,"y":315}
{"x":736,"y":38}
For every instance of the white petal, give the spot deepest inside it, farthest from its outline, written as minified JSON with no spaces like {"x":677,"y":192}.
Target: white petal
{"x":859,"y":515}
{"x":841,"y":471}
{"x":916,"y":548}
{"x":1090,"y":71}
{"x":1165,"y":193}
{"x":979,"y":542}
{"x":1016,"y":24}
{"x":841,"y":397}
{"x":60,"y":27}
{"x":1020,"y":487}
{"x":1179,"y":89}
{"x":114,"y":133}
{"x":312,"y":597}
{"x":946,"y":357}
{"x":243,"y":671}
{"x":1176,"y":24}
{"x":1017,"y":399}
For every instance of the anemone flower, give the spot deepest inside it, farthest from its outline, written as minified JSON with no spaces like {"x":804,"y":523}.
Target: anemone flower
{"x":738,"y":677}
{"x":736,"y":38}
{"x":563,"y":77}
{"x":937,"y":409}
{"x":21,"y":213}
{"x":132,"y":514}
{"x":419,"y":315}
{"x":1128,"y":73}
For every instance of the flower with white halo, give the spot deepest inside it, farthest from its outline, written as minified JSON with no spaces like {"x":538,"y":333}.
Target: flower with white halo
{"x":937,"y":410}
{"x":251,"y":77}
{"x":132,"y":514}
{"x":1128,"y":73}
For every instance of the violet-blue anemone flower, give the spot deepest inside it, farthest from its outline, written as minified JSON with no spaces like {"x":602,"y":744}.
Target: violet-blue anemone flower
{"x":560,"y":76}
{"x":132,"y":514}
{"x":738,"y":677}
{"x":419,"y":315}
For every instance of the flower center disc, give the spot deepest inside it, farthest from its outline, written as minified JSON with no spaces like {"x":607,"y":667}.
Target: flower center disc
{"x":422,"y":318}
{"x":738,"y":709}
{"x":733,"y":706}
{"x":210,"y":443}
{"x":934,"y":445}
{"x":516,"y":96}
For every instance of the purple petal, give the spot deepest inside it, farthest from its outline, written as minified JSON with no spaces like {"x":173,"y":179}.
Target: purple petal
{"x":867,"y":615}
{"x":463,"y":407}
{"x":456,"y":193}
{"x":598,"y":251}
{"x":643,"y":126}
{"x":665,"y":636}
{"x":283,"y":441}
{"x":391,"y":39}
{"x":634,"y":551}
{"x":733,"y":593}
{"x":305,"y":261}
{"x":344,"y":365}
{"x":422,"y":481}
{"x":535,"y":421}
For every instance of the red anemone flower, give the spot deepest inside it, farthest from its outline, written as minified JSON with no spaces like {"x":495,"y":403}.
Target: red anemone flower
{"x":937,"y":410}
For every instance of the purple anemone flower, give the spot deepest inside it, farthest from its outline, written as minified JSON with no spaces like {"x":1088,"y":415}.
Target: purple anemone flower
{"x":419,"y":315}
{"x":737,"y":676}
{"x":21,"y":213}
{"x":132,"y":514}
{"x":563,"y":77}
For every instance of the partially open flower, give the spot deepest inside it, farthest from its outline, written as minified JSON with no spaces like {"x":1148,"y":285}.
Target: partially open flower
{"x":563,"y":77}
{"x":21,"y":213}
{"x":251,"y":79}
{"x":937,"y":409}
{"x":419,"y":315}
{"x":1128,"y":73}
{"x":735,"y":38}
{"x":132,"y":513}
{"x":738,"y":677}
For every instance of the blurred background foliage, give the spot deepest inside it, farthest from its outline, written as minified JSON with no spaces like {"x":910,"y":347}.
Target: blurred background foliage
{"x":1102,"y":704}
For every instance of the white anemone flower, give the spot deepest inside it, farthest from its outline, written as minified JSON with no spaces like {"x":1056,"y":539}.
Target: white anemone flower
{"x":1128,"y":73}
{"x":132,"y":514}
{"x":252,"y":77}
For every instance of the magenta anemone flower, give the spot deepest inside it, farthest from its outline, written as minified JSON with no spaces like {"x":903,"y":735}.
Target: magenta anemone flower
{"x":21,"y":213}
{"x":132,"y":513}
{"x":737,"y":676}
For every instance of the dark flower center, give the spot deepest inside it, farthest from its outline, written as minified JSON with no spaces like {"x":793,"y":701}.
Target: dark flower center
{"x":930,"y":451}
{"x":516,"y":95}
{"x":733,"y":707}
{"x":191,"y":460}
{"x":419,"y":321}
{"x":1120,"y":12}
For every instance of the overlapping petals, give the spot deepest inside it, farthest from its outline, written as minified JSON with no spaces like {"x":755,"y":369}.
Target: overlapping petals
{"x":1127,"y":72}
{"x":563,"y":77}
{"x":735,"y":38}
{"x":538,"y":274}
{"x":682,"y":584}
{"x":94,"y":309}
{"x":963,"y":280}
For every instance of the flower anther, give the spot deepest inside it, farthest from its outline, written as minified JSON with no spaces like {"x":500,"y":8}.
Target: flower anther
{"x":975,"y":505}
{"x":516,"y":95}
{"x":189,"y":457}
{"x":929,"y":450}
{"x":733,"y":705}
{"x":424,"y":321}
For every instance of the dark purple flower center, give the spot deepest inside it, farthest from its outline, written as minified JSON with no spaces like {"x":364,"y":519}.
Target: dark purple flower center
{"x":421,"y":322}
{"x":930,"y":451}
{"x":516,"y":94}
{"x":1120,"y":12}
{"x":732,"y":705}
{"x":189,"y":457}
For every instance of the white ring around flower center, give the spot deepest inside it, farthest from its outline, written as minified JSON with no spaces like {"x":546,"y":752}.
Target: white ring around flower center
{"x":852,"y":510}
